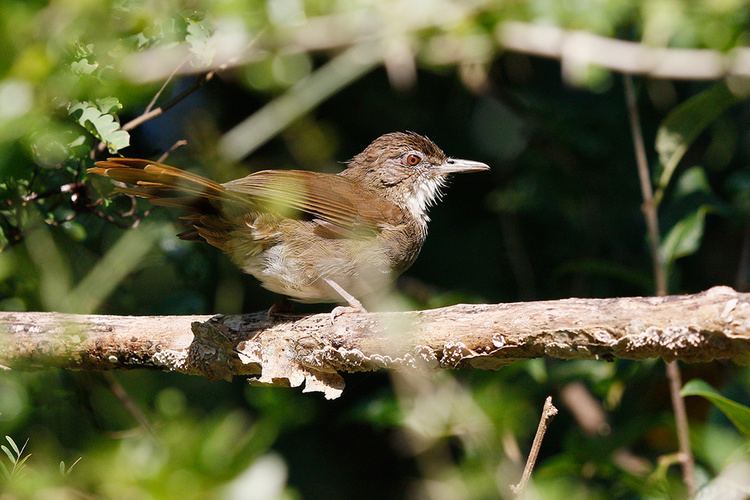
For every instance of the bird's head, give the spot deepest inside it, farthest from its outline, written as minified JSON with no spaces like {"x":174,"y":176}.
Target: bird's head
{"x":409,"y":169}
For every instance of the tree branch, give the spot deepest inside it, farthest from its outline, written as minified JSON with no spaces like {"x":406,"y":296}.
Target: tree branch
{"x":291,"y":350}
{"x":578,"y":49}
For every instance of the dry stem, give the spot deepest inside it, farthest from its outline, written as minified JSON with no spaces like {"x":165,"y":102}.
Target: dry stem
{"x":548,"y":411}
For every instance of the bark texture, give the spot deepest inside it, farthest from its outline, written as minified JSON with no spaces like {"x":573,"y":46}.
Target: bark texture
{"x":313,"y":350}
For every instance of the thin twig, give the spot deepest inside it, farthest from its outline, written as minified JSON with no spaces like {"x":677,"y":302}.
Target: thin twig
{"x":648,"y":208}
{"x":586,"y":409}
{"x":152,"y":103}
{"x":660,"y":278}
{"x":153,"y":113}
{"x":127,"y":402}
{"x":178,"y":144}
{"x":548,"y":411}
{"x":65,"y":188}
{"x":141,"y":119}
{"x":199,"y":82}
{"x":683,"y":430}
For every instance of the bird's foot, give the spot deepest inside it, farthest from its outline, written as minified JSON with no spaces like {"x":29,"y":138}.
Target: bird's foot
{"x":341,"y":310}
{"x":355,"y":306}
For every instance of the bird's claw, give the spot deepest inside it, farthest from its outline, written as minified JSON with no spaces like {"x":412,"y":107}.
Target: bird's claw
{"x":278,"y":310}
{"x":340,"y":310}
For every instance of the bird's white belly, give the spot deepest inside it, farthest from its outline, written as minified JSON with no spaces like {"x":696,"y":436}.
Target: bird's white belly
{"x":294,"y":273}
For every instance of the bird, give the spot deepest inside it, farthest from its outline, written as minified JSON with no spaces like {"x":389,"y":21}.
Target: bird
{"x":309,"y":236}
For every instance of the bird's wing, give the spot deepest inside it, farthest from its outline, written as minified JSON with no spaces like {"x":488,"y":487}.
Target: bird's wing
{"x":337,"y":203}
{"x":340,"y":206}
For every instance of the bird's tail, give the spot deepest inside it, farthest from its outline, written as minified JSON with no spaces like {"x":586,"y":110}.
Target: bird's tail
{"x":159,"y":183}
{"x":206,"y":201}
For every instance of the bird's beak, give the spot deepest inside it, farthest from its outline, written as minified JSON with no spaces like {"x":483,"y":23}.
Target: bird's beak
{"x":455,"y":166}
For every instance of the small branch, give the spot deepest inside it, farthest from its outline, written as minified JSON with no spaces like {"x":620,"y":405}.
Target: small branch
{"x":153,"y":100}
{"x":660,"y":277}
{"x":310,"y":349}
{"x":586,"y":410}
{"x":579,"y":49}
{"x":548,"y":411}
{"x":178,"y":144}
{"x":592,"y":418}
{"x":139,"y":120}
{"x":127,"y":402}
{"x":70,"y":187}
{"x":150,"y":114}
{"x":687,"y":461}
{"x":649,"y":207}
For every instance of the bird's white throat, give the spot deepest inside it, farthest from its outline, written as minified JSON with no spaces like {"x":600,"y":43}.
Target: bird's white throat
{"x":427,"y":191}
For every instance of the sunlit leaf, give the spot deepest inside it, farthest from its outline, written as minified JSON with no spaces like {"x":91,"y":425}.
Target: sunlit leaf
{"x":198,"y":38}
{"x":109,"y":104}
{"x":8,"y":453}
{"x":680,"y":128}
{"x":693,"y":180}
{"x":83,"y":67}
{"x":21,"y":463}
{"x":78,"y":141}
{"x":102,"y":125}
{"x":737,"y":413}
{"x":685,"y":237}
{"x":13,"y":445}
{"x":83,"y":50}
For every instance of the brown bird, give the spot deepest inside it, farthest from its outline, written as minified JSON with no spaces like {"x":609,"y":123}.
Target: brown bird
{"x":312,"y":237}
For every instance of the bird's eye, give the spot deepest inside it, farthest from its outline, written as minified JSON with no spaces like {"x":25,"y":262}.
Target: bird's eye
{"x":413,"y":159}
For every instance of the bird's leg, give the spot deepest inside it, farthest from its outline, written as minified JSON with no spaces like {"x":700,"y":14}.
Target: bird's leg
{"x":279,"y":308}
{"x":354,"y":305}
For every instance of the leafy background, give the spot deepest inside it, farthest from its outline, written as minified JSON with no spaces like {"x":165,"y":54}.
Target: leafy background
{"x":558,"y":216}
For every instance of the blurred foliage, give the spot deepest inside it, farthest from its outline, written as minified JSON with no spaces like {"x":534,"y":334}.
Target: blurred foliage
{"x":558,"y":216}
{"x":739,"y":414}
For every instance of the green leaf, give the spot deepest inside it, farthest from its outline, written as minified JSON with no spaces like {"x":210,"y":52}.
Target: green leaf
{"x":13,"y":445}
{"x":75,"y":230}
{"x":82,"y":50}
{"x":680,"y":128}
{"x":78,"y":147}
{"x":693,"y":180}
{"x":78,"y":141}
{"x":737,"y":413}
{"x":141,"y":40}
{"x":10,"y":455}
{"x":685,"y":237}
{"x":109,"y":104}
{"x":22,"y":462}
{"x":102,"y":125}
{"x":83,"y":67}
{"x":198,"y":38}
{"x":5,"y":471}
